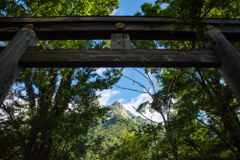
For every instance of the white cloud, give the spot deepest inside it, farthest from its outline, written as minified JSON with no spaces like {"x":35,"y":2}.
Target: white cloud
{"x":121,"y":100}
{"x":106,"y":95}
{"x":114,"y":12}
{"x":136,"y":101}
{"x":99,"y":71}
{"x":151,"y":76}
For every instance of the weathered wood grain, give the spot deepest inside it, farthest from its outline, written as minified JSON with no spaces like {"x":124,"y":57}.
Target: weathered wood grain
{"x":10,"y":56}
{"x":230,"y":58}
{"x":35,"y":57}
{"x":107,"y":19}
{"x":147,"y":28}
{"x":120,"y":41}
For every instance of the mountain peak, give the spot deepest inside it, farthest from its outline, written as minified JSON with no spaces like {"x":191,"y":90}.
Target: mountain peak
{"x":117,"y":108}
{"x":116,"y":103}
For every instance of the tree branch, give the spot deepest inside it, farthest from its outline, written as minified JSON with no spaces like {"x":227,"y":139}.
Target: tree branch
{"x":160,"y":123}
{"x":130,"y":89}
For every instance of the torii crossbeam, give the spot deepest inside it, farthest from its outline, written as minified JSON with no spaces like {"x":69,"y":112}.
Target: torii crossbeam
{"x":139,"y":28}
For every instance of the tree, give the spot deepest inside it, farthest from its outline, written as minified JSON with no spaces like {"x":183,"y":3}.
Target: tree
{"x":133,"y":146}
{"x":50,"y":111}
{"x":199,"y":90}
{"x":204,"y":122}
{"x":162,"y":103}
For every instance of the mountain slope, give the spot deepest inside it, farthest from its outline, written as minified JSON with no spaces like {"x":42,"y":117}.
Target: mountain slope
{"x":119,"y":121}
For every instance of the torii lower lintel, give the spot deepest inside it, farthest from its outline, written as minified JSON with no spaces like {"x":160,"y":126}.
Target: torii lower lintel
{"x":36,"y":57}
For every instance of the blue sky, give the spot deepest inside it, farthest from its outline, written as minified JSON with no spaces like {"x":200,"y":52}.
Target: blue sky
{"x":130,"y":98}
{"x":126,"y":97}
{"x":130,"y":7}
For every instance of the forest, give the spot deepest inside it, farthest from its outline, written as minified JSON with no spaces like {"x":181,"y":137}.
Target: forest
{"x":54,"y":113}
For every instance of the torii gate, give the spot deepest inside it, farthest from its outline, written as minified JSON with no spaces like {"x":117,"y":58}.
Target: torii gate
{"x":25,"y":32}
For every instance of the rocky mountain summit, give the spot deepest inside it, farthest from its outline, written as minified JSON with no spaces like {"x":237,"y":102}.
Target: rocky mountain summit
{"x":117,"y":109}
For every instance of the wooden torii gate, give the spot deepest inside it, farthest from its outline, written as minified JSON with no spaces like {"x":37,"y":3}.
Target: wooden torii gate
{"x":25,"y":32}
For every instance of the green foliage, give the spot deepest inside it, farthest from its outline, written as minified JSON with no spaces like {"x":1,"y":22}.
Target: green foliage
{"x":193,"y":13}
{"x":132,"y":147}
{"x":113,"y":129}
{"x":48,"y":8}
{"x":204,"y":122}
{"x":61,"y":109}
{"x":51,"y":111}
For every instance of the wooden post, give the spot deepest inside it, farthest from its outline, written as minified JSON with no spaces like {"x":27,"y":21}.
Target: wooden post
{"x":10,"y":56}
{"x":120,"y":41}
{"x":230,"y":58}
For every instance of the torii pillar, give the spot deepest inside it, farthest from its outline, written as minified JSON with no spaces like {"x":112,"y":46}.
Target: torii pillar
{"x":9,"y":57}
{"x":230,"y":58}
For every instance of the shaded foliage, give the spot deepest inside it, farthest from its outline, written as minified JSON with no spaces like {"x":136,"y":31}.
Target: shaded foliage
{"x":51,"y":111}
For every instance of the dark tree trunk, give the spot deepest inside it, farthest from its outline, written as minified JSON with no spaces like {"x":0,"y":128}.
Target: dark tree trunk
{"x":231,"y":123}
